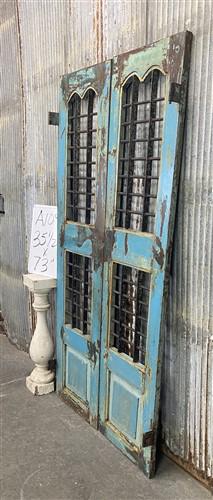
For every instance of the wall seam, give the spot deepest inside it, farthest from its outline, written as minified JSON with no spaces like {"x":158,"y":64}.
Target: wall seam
{"x":23,"y":112}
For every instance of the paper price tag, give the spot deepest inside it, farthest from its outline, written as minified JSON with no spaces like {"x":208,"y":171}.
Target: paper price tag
{"x":43,"y":244}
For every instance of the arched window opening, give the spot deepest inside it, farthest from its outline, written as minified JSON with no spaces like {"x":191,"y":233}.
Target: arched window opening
{"x":140,"y":151}
{"x":81,"y":158}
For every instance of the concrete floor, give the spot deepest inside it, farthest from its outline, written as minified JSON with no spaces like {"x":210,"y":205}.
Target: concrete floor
{"x":50,"y":452}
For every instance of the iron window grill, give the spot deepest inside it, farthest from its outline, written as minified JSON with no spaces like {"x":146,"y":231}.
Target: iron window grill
{"x":129,"y":311}
{"x":140,"y":151}
{"x":81,"y":158}
{"x":78,"y":292}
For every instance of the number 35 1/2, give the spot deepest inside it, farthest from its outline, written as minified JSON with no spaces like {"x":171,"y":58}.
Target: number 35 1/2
{"x":42,"y":239}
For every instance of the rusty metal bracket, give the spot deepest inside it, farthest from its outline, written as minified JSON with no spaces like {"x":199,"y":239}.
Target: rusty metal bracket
{"x":175,"y":92}
{"x":53,"y":118}
{"x":2,"y":211}
{"x":148,"y":439}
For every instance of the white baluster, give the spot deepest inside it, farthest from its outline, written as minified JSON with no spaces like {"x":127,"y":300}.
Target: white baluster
{"x":41,"y":380}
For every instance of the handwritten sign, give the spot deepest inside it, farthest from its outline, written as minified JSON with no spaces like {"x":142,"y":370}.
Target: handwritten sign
{"x":43,"y":244}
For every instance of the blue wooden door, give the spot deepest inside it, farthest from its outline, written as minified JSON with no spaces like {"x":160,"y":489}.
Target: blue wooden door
{"x":146,"y":123}
{"x":120,"y":133}
{"x":83,"y":130}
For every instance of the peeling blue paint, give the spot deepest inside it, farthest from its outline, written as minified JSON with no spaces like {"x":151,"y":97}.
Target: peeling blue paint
{"x":119,"y":393}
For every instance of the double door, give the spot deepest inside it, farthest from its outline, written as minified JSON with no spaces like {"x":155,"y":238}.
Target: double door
{"x":120,"y":128}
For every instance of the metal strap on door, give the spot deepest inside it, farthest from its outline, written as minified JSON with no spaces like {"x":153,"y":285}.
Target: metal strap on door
{"x":120,"y":132}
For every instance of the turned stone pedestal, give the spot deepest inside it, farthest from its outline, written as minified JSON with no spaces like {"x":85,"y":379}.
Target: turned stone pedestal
{"x":41,"y":380}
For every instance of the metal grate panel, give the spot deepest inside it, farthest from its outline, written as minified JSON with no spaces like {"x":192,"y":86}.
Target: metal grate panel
{"x":129,"y":311}
{"x":78,"y":292}
{"x":81,"y":158}
{"x":140,"y":151}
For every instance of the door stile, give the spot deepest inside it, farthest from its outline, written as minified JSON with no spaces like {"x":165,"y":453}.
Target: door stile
{"x":109,"y":241}
{"x":98,"y":241}
{"x":62,"y":155}
{"x":178,"y":71}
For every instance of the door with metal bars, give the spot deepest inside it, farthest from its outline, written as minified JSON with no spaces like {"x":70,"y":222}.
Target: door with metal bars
{"x":83,"y":124}
{"x":121,"y":125}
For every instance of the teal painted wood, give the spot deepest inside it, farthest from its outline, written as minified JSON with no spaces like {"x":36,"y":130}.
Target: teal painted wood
{"x":124,"y":369}
{"x":78,"y":238}
{"x":77,"y":375}
{"x":76,"y":352}
{"x":77,"y":340}
{"x":124,"y":395}
{"x":124,"y":402}
{"x":62,"y":145}
{"x":127,"y":249}
{"x":161,"y":231}
{"x":145,"y":252}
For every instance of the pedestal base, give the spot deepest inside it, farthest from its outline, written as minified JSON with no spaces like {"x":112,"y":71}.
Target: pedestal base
{"x":39,"y":389}
{"x":41,"y":380}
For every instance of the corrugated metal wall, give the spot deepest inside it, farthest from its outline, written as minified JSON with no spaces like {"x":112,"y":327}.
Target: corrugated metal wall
{"x":13,"y":299}
{"x":60,"y":36}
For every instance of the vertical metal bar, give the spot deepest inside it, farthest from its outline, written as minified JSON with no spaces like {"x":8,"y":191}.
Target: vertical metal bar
{"x":86,"y":294}
{"x":88,"y":201}
{"x":67,"y":291}
{"x":137,"y":320}
{"x":76,"y":296}
{"x":70,"y":256}
{"x":119,"y":283}
{"x":70,"y":165}
{"x":143,"y":286}
{"x":75,"y":152}
{"x":122,"y":165}
{"x":79,"y":295}
{"x":150,"y":148}
{"x":129,"y":309}
{"x":130,"y":170}
{"x":89,"y":156}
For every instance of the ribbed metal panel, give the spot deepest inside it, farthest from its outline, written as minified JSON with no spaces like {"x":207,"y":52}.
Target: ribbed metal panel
{"x":12,"y":224}
{"x":124,"y":26}
{"x":187,"y":408}
{"x":42,"y":62}
{"x":59,"y":37}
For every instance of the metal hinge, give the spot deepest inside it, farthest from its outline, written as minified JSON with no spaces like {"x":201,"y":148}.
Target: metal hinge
{"x":148,"y":438}
{"x":53,"y":118}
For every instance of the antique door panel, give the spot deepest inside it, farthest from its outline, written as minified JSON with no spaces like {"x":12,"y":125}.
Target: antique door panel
{"x":83,"y":131}
{"x":146,"y":121}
